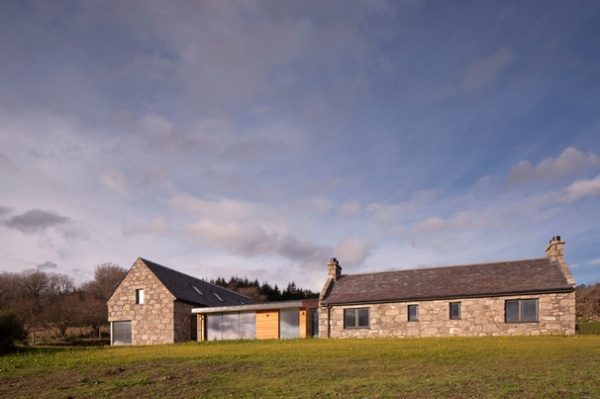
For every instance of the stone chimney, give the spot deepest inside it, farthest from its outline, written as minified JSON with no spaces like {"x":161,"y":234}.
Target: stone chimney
{"x":334,"y":270}
{"x":555,"y":252}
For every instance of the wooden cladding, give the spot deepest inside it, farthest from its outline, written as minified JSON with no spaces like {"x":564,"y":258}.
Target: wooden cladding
{"x":267,"y":324}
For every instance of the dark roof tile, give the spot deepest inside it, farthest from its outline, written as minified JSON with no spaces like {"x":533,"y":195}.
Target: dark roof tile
{"x":182,"y":287}
{"x":489,"y":279}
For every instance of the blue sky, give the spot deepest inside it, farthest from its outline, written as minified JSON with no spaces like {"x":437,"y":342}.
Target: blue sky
{"x":261,"y":138}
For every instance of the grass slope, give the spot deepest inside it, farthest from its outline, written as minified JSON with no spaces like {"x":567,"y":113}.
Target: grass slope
{"x":489,"y":367}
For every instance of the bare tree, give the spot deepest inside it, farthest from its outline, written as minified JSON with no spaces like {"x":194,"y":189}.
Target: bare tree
{"x":588,"y":302}
{"x":95,"y":294}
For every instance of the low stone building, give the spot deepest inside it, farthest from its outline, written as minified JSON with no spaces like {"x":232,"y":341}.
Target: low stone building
{"x":523,"y":297}
{"x":153,"y":305}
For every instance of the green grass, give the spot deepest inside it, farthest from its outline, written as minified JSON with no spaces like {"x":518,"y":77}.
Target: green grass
{"x":588,"y":327}
{"x":489,"y":367}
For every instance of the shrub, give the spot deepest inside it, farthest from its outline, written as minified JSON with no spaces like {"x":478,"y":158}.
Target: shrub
{"x":11,"y":331}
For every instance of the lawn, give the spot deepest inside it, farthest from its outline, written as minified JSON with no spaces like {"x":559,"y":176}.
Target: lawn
{"x":487,"y":367}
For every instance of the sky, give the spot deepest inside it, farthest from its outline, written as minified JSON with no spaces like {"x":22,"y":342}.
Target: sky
{"x":261,"y":138}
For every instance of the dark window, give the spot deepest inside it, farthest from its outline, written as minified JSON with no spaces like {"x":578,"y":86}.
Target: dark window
{"x":521,"y":310}
{"x":413,"y":312}
{"x":315,"y":322}
{"x":356,"y":318}
{"x":454,"y":310}
{"x":139,"y":296}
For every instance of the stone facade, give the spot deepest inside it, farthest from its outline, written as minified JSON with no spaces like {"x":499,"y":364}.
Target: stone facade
{"x":479,"y":317}
{"x":152,"y":322}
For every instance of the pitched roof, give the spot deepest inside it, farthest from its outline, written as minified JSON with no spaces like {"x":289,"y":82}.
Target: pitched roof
{"x":489,"y":279}
{"x":205,"y":294}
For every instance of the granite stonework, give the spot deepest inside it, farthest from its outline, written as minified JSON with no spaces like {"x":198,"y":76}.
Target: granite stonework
{"x":481,"y":289}
{"x":479,"y":317}
{"x":152,"y":322}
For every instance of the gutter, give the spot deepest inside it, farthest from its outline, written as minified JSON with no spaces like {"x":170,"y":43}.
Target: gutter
{"x":452,"y":297}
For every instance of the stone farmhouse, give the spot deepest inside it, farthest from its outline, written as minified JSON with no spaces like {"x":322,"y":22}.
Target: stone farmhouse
{"x":523,"y":297}
{"x":153,"y":305}
{"x":156,"y":305}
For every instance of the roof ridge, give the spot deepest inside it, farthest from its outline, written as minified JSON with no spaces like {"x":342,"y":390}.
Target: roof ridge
{"x":446,"y":266}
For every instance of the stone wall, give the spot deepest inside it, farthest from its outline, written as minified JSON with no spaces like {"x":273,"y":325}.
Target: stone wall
{"x":479,"y":317}
{"x":151,"y":322}
{"x":183,"y":316}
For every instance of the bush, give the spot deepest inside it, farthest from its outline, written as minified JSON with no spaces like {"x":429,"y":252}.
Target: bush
{"x":588,"y":327}
{"x":11,"y":331}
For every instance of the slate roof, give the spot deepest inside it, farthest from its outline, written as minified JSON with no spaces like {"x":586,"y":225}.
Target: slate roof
{"x":479,"y":280}
{"x":182,"y":287}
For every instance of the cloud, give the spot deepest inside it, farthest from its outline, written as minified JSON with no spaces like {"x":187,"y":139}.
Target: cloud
{"x":247,"y":229}
{"x":114,"y":179}
{"x":4,"y":210}
{"x":156,"y":225}
{"x":476,"y":76}
{"x":36,"y":220}
{"x":252,"y":241}
{"x":46,"y":266}
{"x":353,"y":250}
{"x":594,"y":262}
{"x":581,"y":189}
{"x":481,"y":74}
{"x":569,"y":161}
{"x":349,"y":208}
{"x":6,"y":163}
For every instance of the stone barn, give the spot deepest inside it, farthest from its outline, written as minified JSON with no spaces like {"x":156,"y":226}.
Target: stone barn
{"x":153,"y":305}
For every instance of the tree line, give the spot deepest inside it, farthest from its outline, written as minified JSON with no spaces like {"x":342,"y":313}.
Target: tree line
{"x":41,"y":300}
{"x":264,"y":292}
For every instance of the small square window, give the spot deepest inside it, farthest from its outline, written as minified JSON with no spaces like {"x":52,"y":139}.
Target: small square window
{"x":454,"y":310}
{"x":413,"y":312}
{"x":139,"y":296}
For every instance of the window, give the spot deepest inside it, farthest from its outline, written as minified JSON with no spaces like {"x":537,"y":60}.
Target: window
{"x":315,"y":322}
{"x":289,"y":323}
{"x":454,"y":310}
{"x":139,"y":296}
{"x":413,"y":312}
{"x":197,"y":290}
{"x":218,"y":297}
{"x":356,"y":318}
{"x":121,"y":332}
{"x":224,"y":326}
{"x":521,"y":310}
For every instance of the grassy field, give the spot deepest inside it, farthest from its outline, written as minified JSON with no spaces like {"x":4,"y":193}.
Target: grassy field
{"x":523,"y":367}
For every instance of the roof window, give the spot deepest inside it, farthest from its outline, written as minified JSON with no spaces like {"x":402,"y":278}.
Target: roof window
{"x":218,"y":297}
{"x":197,"y":290}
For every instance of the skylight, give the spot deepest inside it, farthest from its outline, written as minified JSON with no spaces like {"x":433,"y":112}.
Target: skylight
{"x":218,"y":297}
{"x":197,"y":290}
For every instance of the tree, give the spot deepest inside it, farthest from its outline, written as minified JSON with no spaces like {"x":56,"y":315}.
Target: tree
{"x":94,"y":294}
{"x":11,"y":330}
{"x":588,"y":302}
